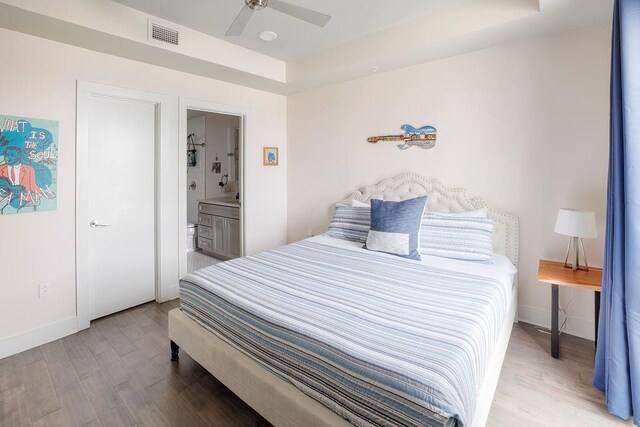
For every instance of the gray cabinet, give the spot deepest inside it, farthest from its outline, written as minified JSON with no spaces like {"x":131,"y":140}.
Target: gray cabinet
{"x":218,"y":239}
{"x":232,"y":237}
{"x":219,"y":230}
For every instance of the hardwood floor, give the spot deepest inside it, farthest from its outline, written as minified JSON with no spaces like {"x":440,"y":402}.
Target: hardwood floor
{"x":538,"y":390}
{"x":118,"y":373}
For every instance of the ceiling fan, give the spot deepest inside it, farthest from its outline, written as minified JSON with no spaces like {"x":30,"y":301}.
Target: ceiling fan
{"x":299,"y":12}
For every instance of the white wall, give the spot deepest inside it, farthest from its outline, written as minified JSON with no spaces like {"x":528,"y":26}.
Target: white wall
{"x":196,"y":173}
{"x":523,"y":125}
{"x":42,"y":84}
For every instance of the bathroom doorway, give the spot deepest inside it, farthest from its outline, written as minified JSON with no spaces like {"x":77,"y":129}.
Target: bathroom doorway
{"x":213,"y":179}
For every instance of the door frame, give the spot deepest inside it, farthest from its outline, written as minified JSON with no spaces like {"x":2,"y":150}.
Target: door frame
{"x":246,"y":117}
{"x":86,"y":90}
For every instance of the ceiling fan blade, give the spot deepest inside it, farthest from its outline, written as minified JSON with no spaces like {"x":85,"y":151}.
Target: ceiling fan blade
{"x":240,"y":23}
{"x":308,"y":15}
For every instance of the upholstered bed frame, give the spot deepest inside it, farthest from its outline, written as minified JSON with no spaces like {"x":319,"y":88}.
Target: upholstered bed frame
{"x":283,"y":404}
{"x":447,"y":200}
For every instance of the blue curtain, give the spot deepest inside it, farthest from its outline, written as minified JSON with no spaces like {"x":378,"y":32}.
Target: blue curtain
{"x":617,"y":368}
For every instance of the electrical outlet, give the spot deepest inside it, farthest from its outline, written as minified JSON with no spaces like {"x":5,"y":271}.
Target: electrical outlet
{"x":44,"y":290}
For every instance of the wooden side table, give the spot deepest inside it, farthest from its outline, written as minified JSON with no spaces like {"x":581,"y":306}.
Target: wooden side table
{"x":558,"y":275}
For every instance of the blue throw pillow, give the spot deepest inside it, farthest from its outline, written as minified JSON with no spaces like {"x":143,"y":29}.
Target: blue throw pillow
{"x":395,"y":227}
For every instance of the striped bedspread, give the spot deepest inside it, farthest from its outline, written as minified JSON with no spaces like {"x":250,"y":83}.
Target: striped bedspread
{"x":380,"y":340}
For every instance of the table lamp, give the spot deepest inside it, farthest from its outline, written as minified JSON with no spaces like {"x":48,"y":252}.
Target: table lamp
{"x":578,"y":225}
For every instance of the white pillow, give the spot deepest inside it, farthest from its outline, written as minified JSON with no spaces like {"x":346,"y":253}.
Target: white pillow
{"x":359,"y":204}
{"x":478,"y":213}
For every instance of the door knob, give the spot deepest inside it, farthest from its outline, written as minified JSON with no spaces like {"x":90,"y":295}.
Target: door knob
{"x":95,"y":223}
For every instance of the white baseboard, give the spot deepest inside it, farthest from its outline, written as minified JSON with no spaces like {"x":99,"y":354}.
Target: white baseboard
{"x":26,"y":340}
{"x":579,"y":327}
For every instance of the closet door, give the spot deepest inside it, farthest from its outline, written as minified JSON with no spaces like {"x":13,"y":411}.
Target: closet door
{"x":121,"y":203}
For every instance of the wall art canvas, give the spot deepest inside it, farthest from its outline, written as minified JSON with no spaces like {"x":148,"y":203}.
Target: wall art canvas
{"x":28,"y":165}
{"x":424,"y":137}
{"x":270,"y":156}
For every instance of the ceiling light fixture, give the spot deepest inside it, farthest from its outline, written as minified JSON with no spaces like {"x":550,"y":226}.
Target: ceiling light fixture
{"x":374,"y":69}
{"x":267,"y":36}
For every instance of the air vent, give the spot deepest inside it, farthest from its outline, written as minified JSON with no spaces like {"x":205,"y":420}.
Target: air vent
{"x":164,"y":34}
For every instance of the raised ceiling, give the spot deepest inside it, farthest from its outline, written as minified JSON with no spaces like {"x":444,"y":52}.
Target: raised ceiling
{"x":350,"y":19}
{"x":447,"y":28}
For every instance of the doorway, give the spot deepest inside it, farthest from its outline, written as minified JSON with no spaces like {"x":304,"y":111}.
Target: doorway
{"x":215,"y":205}
{"x":213,"y":188}
{"x":117,"y":227}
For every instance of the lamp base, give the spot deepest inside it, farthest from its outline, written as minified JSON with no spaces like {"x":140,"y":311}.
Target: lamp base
{"x":580,"y":267}
{"x":575,"y":243}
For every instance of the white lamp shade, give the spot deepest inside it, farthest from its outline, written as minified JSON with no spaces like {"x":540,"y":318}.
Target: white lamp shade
{"x":576,"y":223}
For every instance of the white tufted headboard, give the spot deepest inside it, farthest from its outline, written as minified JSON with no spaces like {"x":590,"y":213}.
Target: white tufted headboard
{"x":443,"y":199}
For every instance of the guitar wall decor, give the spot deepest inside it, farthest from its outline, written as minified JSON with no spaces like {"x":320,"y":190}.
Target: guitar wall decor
{"x":424,"y":137}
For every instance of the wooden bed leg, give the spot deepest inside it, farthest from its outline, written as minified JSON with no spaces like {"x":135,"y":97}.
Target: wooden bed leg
{"x":175,"y":349}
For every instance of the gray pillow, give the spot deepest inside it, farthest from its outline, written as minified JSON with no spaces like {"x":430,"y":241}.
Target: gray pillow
{"x":350,"y":223}
{"x":457,"y":237}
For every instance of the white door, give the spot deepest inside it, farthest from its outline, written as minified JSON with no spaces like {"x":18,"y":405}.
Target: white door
{"x":121,"y":203}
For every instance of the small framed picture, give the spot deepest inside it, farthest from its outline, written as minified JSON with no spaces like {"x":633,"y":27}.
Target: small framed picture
{"x":270,"y":156}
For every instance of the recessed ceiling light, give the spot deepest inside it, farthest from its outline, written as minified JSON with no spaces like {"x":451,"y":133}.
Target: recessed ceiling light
{"x":373,"y":69}
{"x":267,"y":36}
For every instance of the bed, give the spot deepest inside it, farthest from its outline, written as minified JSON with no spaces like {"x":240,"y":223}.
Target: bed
{"x":324,"y":333}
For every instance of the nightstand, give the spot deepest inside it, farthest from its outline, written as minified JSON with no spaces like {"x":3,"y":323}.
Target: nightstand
{"x":558,"y":275}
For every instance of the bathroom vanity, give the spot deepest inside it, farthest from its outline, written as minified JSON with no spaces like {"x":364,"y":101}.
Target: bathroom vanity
{"x":219,"y":227}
